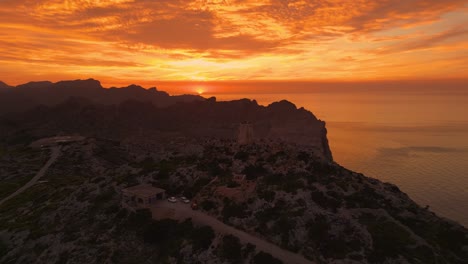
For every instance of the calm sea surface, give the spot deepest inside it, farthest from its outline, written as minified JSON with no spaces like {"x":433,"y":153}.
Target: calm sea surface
{"x":414,"y":138}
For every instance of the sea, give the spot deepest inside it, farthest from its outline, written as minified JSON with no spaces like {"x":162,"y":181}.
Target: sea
{"x":416,"y":138}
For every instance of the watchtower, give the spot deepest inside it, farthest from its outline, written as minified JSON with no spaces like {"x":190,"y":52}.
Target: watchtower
{"x":246,"y":133}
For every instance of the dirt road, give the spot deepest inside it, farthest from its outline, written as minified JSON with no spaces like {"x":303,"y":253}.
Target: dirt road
{"x":181,"y":211}
{"x":53,"y":157}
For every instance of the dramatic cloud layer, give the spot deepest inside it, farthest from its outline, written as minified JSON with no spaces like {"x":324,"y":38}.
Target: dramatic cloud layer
{"x":125,"y":40}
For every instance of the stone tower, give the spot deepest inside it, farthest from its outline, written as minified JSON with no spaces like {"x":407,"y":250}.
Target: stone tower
{"x":246,"y":133}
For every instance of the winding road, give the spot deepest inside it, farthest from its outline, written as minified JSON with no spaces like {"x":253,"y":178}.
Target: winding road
{"x":181,"y":211}
{"x":55,"y":153}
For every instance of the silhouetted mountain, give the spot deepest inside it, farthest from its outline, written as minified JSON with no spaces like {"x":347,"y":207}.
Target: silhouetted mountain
{"x":33,"y":94}
{"x":4,"y":86}
{"x":198,"y":119}
{"x":34,"y":85}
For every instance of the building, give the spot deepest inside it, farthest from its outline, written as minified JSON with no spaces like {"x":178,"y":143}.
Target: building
{"x":246,"y":133}
{"x":141,"y":196}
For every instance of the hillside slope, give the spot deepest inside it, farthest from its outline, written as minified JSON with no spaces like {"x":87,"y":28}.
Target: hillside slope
{"x":289,"y":196}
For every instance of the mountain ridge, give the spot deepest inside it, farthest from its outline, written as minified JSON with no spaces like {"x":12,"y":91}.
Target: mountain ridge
{"x":32,"y":94}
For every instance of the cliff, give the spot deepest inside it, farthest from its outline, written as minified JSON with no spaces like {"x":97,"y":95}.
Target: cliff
{"x":137,"y":120}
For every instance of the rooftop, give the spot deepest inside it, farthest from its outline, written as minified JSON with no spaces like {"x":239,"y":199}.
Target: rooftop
{"x":144,"y":190}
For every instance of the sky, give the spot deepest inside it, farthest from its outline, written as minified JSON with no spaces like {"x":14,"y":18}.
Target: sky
{"x":148,"y":41}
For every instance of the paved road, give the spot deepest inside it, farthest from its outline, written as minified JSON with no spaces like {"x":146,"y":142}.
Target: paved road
{"x":181,"y":211}
{"x":53,"y":157}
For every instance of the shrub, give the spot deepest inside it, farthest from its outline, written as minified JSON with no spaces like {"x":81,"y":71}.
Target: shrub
{"x":318,"y":228}
{"x":273,"y":179}
{"x":267,"y":195}
{"x":388,"y":238}
{"x":265,"y":258}
{"x":232,"y":209}
{"x":232,"y":184}
{"x":166,"y":168}
{"x":249,"y":249}
{"x":252,"y":172}
{"x":325,"y":201}
{"x":202,"y":237}
{"x":197,"y":186}
{"x":304,"y":156}
{"x":242,"y":155}
{"x":140,"y":218}
{"x":3,"y":248}
{"x":231,"y":249}
{"x":208,"y":205}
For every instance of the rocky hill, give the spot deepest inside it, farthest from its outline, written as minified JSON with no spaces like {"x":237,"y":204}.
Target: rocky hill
{"x":137,"y":121}
{"x":4,"y":86}
{"x":26,"y":96}
{"x":289,"y":196}
{"x":284,"y":188}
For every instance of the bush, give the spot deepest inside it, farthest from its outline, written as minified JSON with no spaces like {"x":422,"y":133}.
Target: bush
{"x":232,"y":209}
{"x":242,"y":155}
{"x":325,"y":201}
{"x":3,"y":248}
{"x":318,"y":229}
{"x":166,"y":168}
{"x":208,"y":205}
{"x":265,"y":258}
{"x":141,"y":217}
{"x":252,"y":172}
{"x":160,"y":232}
{"x":249,"y":249}
{"x":233,"y":184}
{"x":388,"y":238}
{"x":267,"y":195}
{"x":282,"y":227}
{"x":274,"y":179}
{"x":202,"y":237}
{"x":148,"y":164}
{"x":304,"y":156}
{"x":231,"y":249}
{"x":197,"y":186}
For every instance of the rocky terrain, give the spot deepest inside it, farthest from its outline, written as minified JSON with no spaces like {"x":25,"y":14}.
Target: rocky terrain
{"x":283,"y":188}
{"x":289,"y":196}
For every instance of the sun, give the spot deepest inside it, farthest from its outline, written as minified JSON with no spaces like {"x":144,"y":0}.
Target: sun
{"x":199,"y":90}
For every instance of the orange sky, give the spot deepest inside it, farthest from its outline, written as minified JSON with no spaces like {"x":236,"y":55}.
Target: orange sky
{"x":145,"y":41}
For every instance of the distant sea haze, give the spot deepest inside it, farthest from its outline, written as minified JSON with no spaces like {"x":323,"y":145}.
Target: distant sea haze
{"x":414,"y":138}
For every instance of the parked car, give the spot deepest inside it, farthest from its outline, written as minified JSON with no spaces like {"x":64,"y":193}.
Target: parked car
{"x":186,"y":201}
{"x":172,"y":199}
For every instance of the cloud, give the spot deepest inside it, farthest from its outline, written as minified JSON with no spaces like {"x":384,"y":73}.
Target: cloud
{"x":231,"y":25}
{"x":426,"y":41}
{"x":292,"y":39}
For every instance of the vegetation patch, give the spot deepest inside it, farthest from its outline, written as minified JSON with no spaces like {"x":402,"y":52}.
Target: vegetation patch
{"x":265,"y":258}
{"x":231,"y":249}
